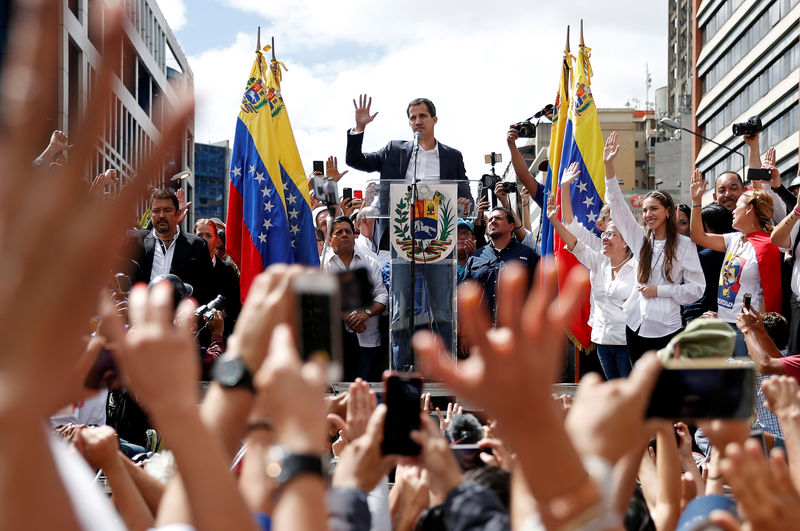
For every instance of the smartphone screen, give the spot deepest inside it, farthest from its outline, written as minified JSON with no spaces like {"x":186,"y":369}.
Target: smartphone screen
{"x":347,"y":193}
{"x":358,"y":194}
{"x":318,"y":324}
{"x":713,"y":393}
{"x":319,"y":167}
{"x":759,"y":174}
{"x":401,"y":394}
{"x":355,"y":289}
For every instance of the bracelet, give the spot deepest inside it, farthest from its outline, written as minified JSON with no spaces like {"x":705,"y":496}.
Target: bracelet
{"x":696,"y":206}
{"x":796,"y":212}
{"x":715,"y":478}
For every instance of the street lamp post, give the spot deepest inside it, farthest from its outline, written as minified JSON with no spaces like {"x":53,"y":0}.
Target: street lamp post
{"x":675,"y":125}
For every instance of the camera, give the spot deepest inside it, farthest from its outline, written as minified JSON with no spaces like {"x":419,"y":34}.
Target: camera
{"x":489,"y":180}
{"x":206,"y":311}
{"x":510,"y":188}
{"x":751,"y":127}
{"x":325,"y":190}
{"x":526,"y":129}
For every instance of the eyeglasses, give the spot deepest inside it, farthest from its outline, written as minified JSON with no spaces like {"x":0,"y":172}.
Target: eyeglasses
{"x":608,"y":234}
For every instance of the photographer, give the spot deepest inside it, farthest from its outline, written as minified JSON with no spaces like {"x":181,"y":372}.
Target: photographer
{"x":523,"y":236}
{"x":521,"y":169}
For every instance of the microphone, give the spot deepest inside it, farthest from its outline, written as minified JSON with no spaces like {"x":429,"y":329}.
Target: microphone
{"x":417,"y":137}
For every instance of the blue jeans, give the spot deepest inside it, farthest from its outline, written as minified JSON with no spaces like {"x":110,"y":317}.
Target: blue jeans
{"x":615,"y":361}
{"x":434,"y":295}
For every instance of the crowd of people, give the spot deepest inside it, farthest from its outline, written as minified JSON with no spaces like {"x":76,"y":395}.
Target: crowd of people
{"x":111,"y":404}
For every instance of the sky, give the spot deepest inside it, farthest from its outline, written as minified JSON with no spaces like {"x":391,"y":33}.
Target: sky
{"x":485,"y":65}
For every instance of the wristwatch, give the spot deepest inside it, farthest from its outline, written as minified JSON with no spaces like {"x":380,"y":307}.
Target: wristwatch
{"x":284,"y":466}
{"x":231,"y":372}
{"x":368,"y":311}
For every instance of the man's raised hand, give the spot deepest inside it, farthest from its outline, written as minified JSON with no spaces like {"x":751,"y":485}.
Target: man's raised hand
{"x":363,"y":117}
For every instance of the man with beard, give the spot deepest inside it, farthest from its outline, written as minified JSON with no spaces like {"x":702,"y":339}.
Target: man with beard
{"x":166,"y":249}
{"x":484,"y":266}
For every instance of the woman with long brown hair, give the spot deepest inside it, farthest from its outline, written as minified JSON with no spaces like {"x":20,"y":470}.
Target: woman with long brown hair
{"x":669,"y":272}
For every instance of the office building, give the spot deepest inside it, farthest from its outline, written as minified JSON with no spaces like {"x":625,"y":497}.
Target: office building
{"x":746,"y":56}
{"x":211,"y":163}
{"x":152,"y":71}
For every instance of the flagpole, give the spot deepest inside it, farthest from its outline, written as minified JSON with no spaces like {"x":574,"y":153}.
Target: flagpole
{"x":566,"y":49}
{"x":582,"y":43}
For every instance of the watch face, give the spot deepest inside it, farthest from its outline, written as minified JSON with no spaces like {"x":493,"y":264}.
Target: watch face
{"x":228,"y":372}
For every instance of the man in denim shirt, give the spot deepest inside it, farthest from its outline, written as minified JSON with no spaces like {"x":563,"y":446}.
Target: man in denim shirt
{"x":484,"y":266}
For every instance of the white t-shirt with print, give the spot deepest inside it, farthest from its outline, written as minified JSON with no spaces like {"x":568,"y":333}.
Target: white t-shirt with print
{"x":739,"y":275}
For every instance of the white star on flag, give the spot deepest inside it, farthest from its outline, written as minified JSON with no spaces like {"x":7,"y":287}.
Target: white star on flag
{"x":582,"y":186}
{"x":294,"y":229}
{"x":262,"y":238}
{"x":268,"y":206}
{"x":236,"y":171}
{"x":293,"y":213}
{"x":260,"y":177}
{"x":267,"y":224}
{"x":589,"y":201}
{"x":266,"y":192}
{"x":291,"y":198}
{"x":591,"y":216}
{"x":252,"y":169}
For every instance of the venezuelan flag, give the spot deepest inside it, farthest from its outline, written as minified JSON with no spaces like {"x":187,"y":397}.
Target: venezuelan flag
{"x":269,"y":217}
{"x":560,"y":117}
{"x":583,"y":143}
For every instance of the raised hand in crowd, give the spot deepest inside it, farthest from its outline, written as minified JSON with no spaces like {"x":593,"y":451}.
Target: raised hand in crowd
{"x":444,"y":473}
{"x":482,"y":208}
{"x":501,"y":455}
{"x":349,"y":205}
{"x":452,"y":410}
{"x":53,"y":154}
{"x":332,"y":169}
{"x":660,"y":475}
{"x":409,"y":496}
{"x":361,"y":464}
{"x":183,"y":206}
{"x":610,"y":152}
{"x":511,"y":368}
{"x":33,"y":379}
{"x":363,"y":116}
{"x":687,"y":460}
{"x":158,"y":360}
{"x":572,"y":172}
{"x":98,"y":187}
{"x":99,"y":445}
{"x":783,"y":398}
{"x":766,"y":498}
{"x":361,"y":402}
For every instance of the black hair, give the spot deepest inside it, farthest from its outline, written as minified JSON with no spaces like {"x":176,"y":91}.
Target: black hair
{"x":165,"y":193}
{"x":777,"y":328}
{"x":683,"y":207}
{"x":493,"y":478}
{"x":717,"y":218}
{"x":344,"y":219}
{"x":741,"y":182}
{"x":509,"y":214}
{"x":422,"y":101}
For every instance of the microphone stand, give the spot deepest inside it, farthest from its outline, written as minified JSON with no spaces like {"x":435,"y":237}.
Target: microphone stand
{"x":412,"y":306}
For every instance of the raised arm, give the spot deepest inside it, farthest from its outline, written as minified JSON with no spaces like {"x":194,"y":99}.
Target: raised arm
{"x":569,"y":176}
{"x":552,"y":214}
{"x":623,"y":218}
{"x":759,"y":345}
{"x":518,"y":163}
{"x":782,"y":234}
{"x":754,"y":159}
{"x":699,"y":235}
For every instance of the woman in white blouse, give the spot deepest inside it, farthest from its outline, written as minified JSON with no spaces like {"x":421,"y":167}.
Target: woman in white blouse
{"x":612,"y":273}
{"x":669,"y":272}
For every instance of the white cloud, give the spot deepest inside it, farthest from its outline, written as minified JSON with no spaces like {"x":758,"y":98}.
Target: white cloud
{"x":484,"y":65}
{"x":175,"y":13}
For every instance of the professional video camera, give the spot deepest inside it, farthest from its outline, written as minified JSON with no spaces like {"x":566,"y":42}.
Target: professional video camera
{"x":749,"y":128}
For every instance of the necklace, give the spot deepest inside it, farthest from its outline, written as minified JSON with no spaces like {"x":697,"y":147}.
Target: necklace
{"x":614,"y":268}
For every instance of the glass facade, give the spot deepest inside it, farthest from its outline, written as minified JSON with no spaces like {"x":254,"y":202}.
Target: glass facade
{"x":209,"y":181}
